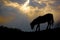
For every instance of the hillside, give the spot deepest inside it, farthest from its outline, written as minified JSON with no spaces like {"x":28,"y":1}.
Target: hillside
{"x":5,"y":29}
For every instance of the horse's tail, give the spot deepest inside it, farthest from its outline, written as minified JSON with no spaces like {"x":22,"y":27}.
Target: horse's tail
{"x":52,"y":21}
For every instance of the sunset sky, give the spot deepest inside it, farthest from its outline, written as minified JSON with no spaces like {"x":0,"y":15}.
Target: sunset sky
{"x":19,"y":13}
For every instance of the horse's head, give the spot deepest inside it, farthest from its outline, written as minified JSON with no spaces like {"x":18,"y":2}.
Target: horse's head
{"x":32,"y":25}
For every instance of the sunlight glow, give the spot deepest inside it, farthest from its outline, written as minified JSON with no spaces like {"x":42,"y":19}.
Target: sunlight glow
{"x":25,"y":8}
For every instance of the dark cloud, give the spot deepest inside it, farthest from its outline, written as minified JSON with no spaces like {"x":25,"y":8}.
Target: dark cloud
{"x":55,"y":5}
{"x":18,"y":1}
{"x":55,"y":0}
{"x":36,"y":4}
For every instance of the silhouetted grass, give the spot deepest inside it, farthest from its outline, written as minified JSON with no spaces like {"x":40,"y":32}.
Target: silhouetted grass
{"x":52,"y":30}
{"x":5,"y":29}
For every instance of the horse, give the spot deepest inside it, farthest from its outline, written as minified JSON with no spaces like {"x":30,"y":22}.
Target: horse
{"x":42,"y":19}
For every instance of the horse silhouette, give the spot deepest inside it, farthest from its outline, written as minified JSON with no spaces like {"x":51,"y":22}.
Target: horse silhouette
{"x":42,"y":19}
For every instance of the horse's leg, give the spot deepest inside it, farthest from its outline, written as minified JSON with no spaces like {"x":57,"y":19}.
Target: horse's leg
{"x":38,"y":27}
{"x":47,"y":26}
{"x":50,"y":25}
{"x":52,"y":21}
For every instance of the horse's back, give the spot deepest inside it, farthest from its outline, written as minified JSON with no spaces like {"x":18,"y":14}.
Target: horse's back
{"x":42,"y":19}
{"x":49,"y":16}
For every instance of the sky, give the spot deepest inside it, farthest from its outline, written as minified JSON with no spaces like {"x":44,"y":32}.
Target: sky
{"x":19,"y":13}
